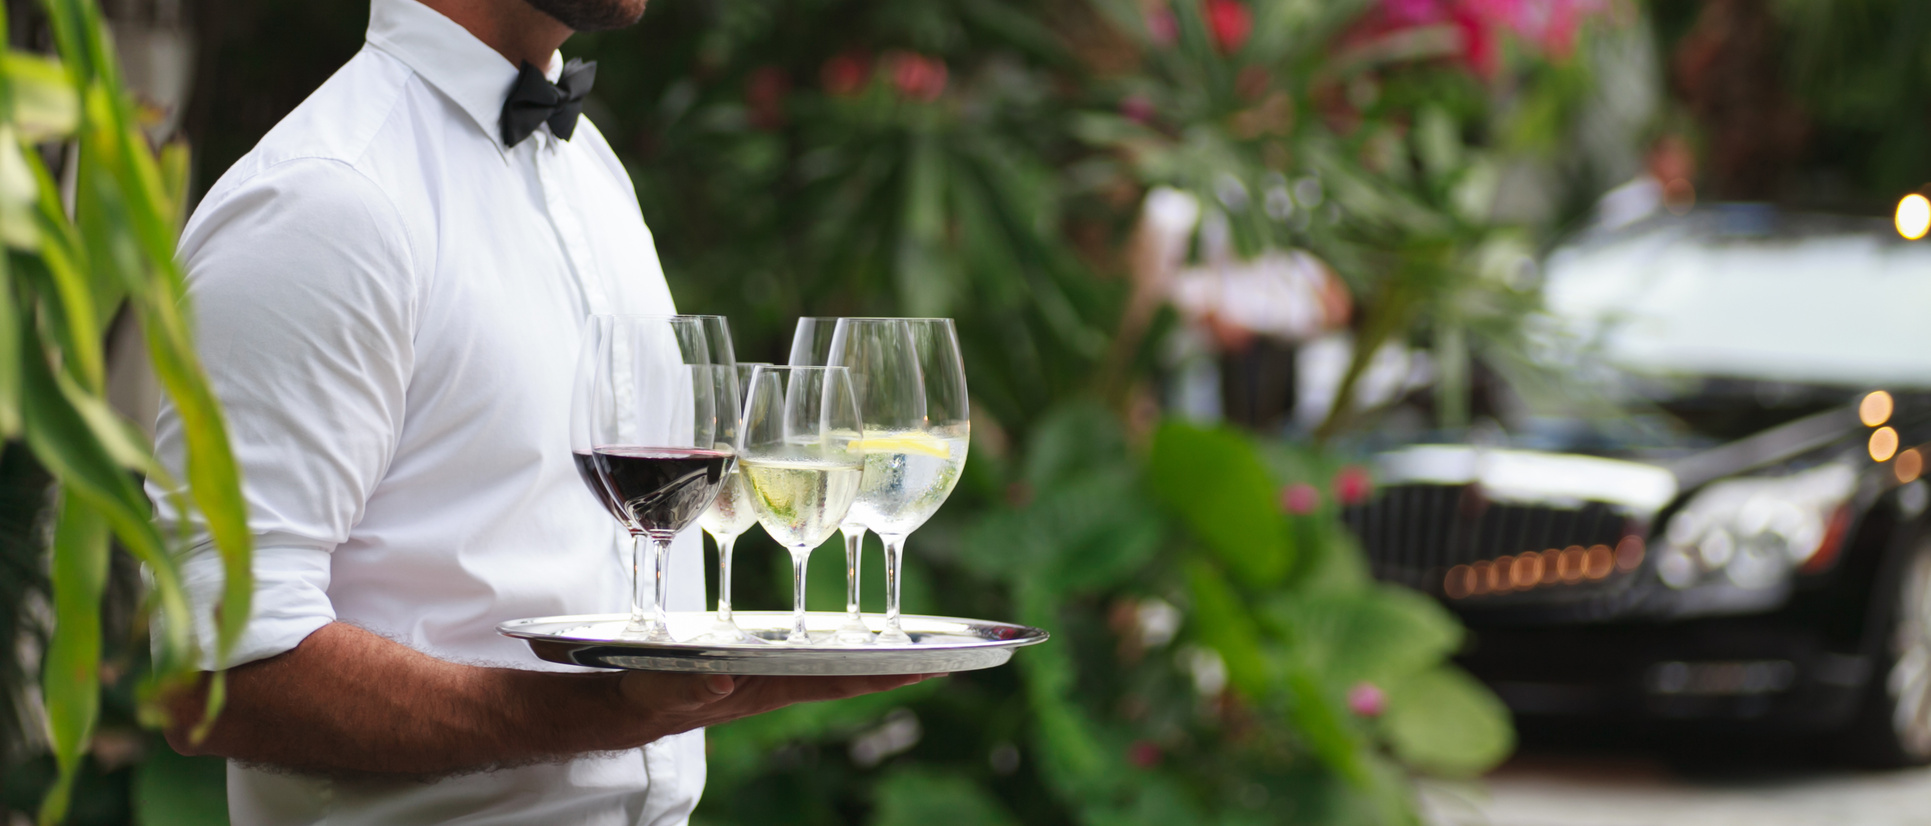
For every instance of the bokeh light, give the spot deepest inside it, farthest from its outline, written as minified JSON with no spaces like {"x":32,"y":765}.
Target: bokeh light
{"x":1909,"y":466}
{"x":1875,"y":409}
{"x":1883,"y":444}
{"x":1913,"y":216}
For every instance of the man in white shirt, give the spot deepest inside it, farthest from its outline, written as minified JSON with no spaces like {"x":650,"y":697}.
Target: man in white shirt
{"x":389,"y":291}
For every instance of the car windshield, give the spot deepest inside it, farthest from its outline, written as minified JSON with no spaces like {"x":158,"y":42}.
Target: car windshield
{"x":1732,"y":320}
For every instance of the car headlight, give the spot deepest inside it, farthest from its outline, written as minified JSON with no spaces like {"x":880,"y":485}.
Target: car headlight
{"x":1753,"y":532}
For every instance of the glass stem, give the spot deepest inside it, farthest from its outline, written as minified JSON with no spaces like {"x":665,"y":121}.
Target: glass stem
{"x":894,"y":570}
{"x":724,"y":545}
{"x":854,"y":545}
{"x":638,"y":565}
{"x":798,"y":634}
{"x":660,"y":553}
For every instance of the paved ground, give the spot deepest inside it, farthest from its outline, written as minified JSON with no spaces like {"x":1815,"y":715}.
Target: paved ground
{"x":1573,"y":791}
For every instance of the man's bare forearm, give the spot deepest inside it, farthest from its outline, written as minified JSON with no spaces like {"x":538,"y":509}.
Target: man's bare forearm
{"x":346,"y":701}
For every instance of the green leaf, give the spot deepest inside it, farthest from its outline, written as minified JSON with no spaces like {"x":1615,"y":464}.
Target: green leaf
{"x":1215,"y":481}
{"x":71,"y":676}
{"x":1380,"y":635}
{"x":1076,"y":755}
{"x":42,"y":102}
{"x":1221,"y":621}
{"x":1071,"y":440}
{"x":739,"y":745}
{"x":172,"y":790}
{"x":18,"y":227}
{"x":9,"y":352}
{"x":61,"y":440}
{"x":1442,"y":720}
{"x":924,"y":797}
{"x":924,"y":285}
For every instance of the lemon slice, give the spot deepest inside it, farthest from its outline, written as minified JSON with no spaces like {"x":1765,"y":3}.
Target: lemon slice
{"x":922,"y":443}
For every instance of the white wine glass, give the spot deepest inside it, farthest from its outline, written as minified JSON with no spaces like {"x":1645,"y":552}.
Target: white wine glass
{"x":811,"y":347}
{"x":729,"y":516}
{"x":648,"y":409}
{"x":798,"y":462}
{"x":918,"y":430}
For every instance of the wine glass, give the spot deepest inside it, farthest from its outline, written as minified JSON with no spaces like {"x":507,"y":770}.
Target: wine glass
{"x":727,"y":517}
{"x":648,"y":411}
{"x":798,"y":462}
{"x":917,"y":428}
{"x":883,"y":359}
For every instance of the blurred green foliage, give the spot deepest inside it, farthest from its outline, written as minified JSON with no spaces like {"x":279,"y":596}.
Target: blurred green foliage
{"x":73,"y":257}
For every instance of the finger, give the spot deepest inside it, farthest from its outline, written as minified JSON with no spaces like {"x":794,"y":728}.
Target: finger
{"x":664,"y":691}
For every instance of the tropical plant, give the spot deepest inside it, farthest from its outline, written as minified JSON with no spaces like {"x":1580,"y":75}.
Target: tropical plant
{"x":71,"y":265}
{"x":984,"y":159}
{"x":1375,"y":134}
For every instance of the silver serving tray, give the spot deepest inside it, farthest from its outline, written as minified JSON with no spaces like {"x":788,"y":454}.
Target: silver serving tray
{"x":939,"y":644}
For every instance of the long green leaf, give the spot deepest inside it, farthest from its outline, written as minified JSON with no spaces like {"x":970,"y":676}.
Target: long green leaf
{"x":71,"y":676}
{"x":9,"y":351}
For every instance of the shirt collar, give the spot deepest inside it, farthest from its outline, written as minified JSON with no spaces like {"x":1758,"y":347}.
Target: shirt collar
{"x":445,"y":54}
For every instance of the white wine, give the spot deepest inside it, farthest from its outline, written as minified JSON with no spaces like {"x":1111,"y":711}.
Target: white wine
{"x":800,"y":502}
{"x":730,"y":514}
{"x":908,"y":475}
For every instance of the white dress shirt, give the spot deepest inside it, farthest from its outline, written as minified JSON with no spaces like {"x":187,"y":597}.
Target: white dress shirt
{"x":388,"y":303}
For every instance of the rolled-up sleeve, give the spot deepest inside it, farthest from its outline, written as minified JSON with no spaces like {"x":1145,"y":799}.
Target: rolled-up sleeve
{"x":301,"y":285}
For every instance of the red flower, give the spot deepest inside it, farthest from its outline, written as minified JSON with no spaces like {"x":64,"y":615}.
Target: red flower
{"x":846,"y":73}
{"x":1300,"y":499}
{"x":916,"y":76}
{"x":1367,"y":700}
{"x":1352,"y":485}
{"x":1137,"y":108}
{"x":1231,"y":22}
{"x":764,"y":92}
{"x":1143,"y":754}
{"x":1478,"y":42}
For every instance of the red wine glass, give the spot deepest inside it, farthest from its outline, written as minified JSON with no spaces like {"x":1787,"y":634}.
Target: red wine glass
{"x":652,"y":424}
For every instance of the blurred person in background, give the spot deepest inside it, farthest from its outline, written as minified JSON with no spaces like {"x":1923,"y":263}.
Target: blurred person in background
{"x":1668,"y":182}
{"x":389,"y":292}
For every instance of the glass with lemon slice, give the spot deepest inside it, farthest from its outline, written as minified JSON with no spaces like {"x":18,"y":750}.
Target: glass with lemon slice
{"x":910,"y":383}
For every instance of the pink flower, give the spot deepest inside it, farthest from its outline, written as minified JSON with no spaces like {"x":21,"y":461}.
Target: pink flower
{"x":1162,"y":28}
{"x":1137,"y":108}
{"x":1300,"y":499}
{"x":1143,"y":754}
{"x":1231,"y":22}
{"x":1412,"y":12}
{"x":1367,"y":700}
{"x":916,"y":76}
{"x":846,"y":73}
{"x":1549,"y":25}
{"x":1352,"y":485}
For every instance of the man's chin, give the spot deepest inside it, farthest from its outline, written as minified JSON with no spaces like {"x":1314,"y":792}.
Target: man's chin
{"x":592,"y":15}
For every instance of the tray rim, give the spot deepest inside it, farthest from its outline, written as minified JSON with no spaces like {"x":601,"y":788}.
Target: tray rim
{"x":1029,"y":636}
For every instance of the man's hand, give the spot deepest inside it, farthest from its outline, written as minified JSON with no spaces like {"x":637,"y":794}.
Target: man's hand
{"x":349,"y":702}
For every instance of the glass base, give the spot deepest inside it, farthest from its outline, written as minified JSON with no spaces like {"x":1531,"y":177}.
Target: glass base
{"x":893,"y":635}
{"x":648,"y":630}
{"x":853,"y":632}
{"x":725,"y":632}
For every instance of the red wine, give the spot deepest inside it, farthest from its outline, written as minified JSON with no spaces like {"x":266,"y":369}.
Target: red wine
{"x":661,"y":488}
{"x":587,"y":471}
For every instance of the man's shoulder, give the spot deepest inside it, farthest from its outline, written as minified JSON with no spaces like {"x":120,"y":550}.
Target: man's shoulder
{"x":334,"y":131}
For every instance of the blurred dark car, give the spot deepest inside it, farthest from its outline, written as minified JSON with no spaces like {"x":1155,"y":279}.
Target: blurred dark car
{"x":1746,"y":547}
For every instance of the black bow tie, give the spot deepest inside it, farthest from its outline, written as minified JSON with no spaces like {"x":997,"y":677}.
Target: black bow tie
{"x":536,"y":100}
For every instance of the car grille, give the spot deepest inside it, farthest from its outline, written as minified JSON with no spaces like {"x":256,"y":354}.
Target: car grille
{"x":1413,"y":534}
